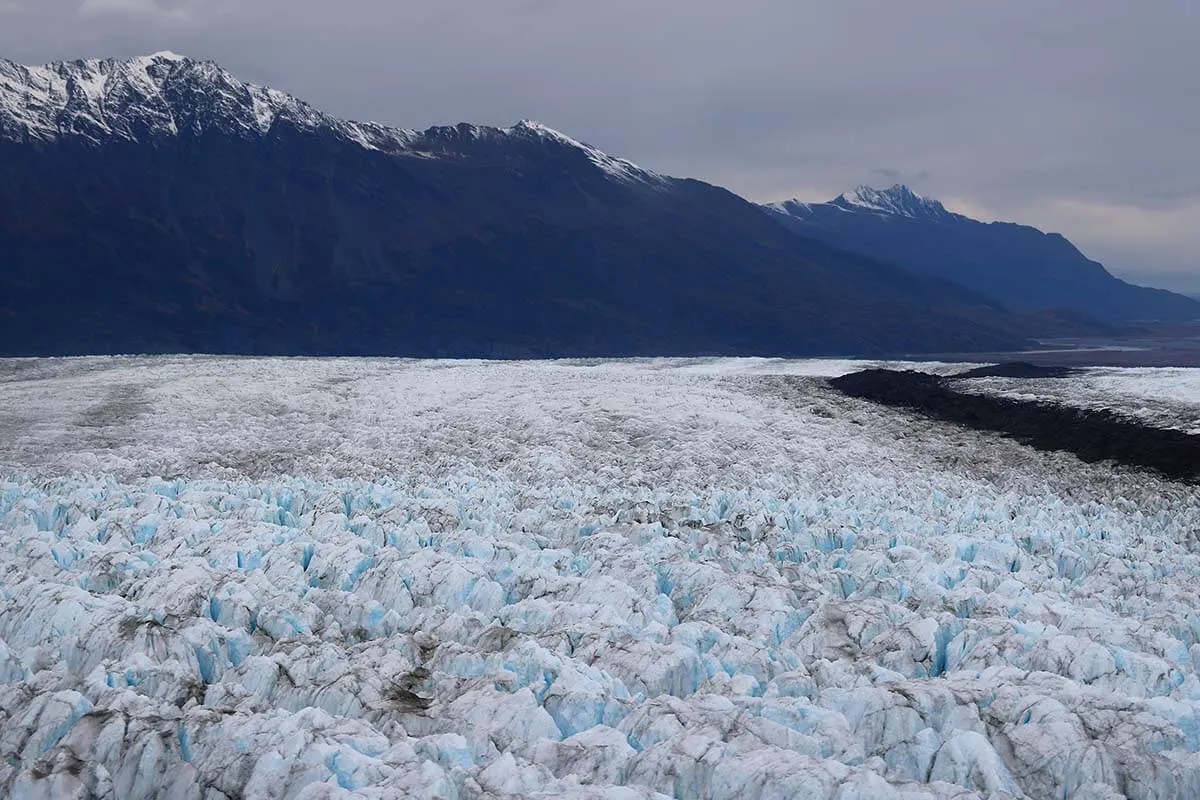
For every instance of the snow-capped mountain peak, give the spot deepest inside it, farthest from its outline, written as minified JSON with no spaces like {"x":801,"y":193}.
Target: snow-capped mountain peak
{"x":165,"y":94}
{"x":898,"y":200}
{"x":895,"y":201}
{"x":141,"y":98}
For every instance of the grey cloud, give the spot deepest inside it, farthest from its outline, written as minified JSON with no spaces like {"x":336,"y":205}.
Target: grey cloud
{"x":886,"y":175}
{"x":1023,"y":110}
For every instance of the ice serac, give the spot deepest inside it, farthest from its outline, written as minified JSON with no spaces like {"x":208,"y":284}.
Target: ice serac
{"x":1027,"y":270}
{"x":376,"y":579}
{"x":162,"y":204}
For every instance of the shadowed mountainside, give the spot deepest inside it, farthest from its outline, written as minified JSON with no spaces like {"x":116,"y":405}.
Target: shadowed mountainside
{"x":1028,"y":271}
{"x":161,"y":205}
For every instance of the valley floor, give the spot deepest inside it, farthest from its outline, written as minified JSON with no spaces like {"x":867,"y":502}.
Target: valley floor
{"x":340,"y":578}
{"x":1145,"y":345}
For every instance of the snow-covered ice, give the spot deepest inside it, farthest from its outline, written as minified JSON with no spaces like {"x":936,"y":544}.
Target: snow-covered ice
{"x":347,"y":578}
{"x":1167,"y":397}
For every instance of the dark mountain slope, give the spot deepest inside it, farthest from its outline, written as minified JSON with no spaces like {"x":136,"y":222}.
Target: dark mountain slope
{"x":1022,"y":267}
{"x":160,"y":205}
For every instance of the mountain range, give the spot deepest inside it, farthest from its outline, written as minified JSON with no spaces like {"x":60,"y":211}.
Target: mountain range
{"x":160,"y":204}
{"x":1021,"y":267}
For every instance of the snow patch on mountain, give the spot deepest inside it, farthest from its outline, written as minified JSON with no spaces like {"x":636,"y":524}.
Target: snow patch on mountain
{"x":618,"y":168}
{"x":797,"y":208}
{"x":361,"y":578}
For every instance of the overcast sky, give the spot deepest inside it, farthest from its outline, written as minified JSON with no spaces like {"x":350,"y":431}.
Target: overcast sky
{"x":1080,"y":116}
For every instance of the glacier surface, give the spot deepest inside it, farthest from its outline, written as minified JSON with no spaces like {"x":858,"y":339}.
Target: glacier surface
{"x":296,"y":578}
{"x":1166,"y":397}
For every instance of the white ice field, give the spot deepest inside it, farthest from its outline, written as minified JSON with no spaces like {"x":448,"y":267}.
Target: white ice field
{"x":243,"y":578}
{"x":1164,"y":397}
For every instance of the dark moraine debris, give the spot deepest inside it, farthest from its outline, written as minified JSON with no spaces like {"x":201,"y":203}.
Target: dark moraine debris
{"x":1016,"y":369}
{"x":1092,"y":435}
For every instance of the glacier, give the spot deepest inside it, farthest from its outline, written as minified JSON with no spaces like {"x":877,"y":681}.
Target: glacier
{"x":1166,"y":397}
{"x":374,"y":578}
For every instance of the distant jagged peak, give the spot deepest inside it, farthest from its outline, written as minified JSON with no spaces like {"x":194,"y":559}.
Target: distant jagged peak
{"x":897,"y":200}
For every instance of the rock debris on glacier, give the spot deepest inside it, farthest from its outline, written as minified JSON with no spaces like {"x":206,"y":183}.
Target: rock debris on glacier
{"x":357,"y":578}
